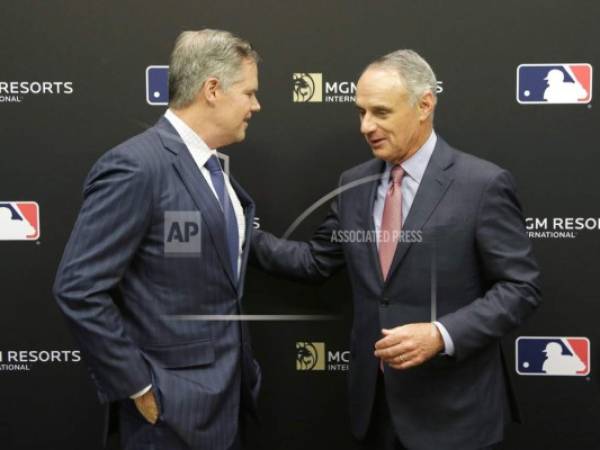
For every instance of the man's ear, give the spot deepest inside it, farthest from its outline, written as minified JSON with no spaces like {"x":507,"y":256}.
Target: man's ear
{"x":209,"y":90}
{"x":426,"y":105}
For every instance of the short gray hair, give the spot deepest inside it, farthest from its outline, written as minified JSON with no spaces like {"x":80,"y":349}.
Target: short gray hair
{"x":414,"y":72}
{"x":198,"y":55}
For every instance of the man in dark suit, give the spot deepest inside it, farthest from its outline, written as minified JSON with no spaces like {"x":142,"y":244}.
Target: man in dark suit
{"x":441,"y":268}
{"x":162,"y":233}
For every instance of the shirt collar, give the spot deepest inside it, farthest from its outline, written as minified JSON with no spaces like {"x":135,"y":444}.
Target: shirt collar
{"x":415,"y":166}
{"x":197,"y":147}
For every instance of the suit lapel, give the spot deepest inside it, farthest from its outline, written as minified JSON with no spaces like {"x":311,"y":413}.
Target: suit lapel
{"x":434,"y":184}
{"x":200,"y":191}
{"x":367,"y":197}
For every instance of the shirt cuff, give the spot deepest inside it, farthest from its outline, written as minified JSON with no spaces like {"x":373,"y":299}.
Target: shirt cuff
{"x":140,"y":393}
{"x":448,"y":343}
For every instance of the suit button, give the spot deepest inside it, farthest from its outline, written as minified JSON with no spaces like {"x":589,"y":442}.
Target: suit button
{"x":385,"y":301}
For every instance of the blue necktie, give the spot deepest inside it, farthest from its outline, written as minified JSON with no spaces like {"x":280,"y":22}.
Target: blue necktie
{"x":231,"y":226}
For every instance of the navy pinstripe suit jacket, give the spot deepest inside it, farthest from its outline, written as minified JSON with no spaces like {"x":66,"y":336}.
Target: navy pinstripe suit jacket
{"x":118,"y":287}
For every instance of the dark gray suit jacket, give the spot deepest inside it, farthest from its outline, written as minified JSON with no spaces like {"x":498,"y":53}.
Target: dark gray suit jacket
{"x":117,"y":286}
{"x":474,"y":264}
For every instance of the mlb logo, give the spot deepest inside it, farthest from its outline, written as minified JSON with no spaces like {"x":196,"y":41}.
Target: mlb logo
{"x":548,"y":356}
{"x":157,"y":85}
{"x":554,"y":83}
{"x":19,"y":221}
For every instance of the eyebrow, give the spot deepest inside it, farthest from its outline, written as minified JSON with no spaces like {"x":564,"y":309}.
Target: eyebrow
{"x":381,"y":109}
{"x":374,"y":108}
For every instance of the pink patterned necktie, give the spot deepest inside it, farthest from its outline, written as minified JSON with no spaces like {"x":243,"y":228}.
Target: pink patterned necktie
{"x":391,"y":222}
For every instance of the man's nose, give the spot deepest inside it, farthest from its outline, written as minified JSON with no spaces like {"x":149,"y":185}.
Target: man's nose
{"x":366,"y":124}
{"x":255,"y":105}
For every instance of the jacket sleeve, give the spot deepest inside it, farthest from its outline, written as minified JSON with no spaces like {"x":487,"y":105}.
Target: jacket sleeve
{"x":111,"y":224}
{"x":509,"y":268}
{"x":314,"y":261}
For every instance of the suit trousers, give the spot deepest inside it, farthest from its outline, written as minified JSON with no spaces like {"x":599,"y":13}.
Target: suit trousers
{"x":381,"y":434}
{"x":136,"y":433}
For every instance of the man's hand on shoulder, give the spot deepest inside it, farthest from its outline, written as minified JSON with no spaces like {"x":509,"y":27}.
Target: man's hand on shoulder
{"x":147,"y":406}
{"x":409,"y":345}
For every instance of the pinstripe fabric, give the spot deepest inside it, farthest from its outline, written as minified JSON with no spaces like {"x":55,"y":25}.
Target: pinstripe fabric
{"x":115,"y":285}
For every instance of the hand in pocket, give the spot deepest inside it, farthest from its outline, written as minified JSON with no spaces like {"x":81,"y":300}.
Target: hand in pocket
{"x":147,"y":406}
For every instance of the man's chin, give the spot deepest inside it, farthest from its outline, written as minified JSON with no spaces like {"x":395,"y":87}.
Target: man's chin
{"x":240,"y":136}
{"x":380,"y":153}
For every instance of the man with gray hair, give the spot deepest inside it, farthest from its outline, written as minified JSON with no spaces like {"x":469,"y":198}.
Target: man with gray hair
{"x":159,"y":241}
{"x":450,"y":272}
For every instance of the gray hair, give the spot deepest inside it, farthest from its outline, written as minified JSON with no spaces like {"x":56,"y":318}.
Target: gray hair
{"x":414,"y":72}
{"x":199,"y":55}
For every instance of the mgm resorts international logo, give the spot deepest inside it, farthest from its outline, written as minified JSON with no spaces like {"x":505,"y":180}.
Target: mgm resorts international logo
{"x":311,"y":356}
{"x":560,"y":227}
{"x":309,"y":88}
{"x":16,"y":91}
{"x":24,"y":360}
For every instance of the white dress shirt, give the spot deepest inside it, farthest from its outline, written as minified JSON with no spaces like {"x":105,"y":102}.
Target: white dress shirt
{"x":200,"y":152}
{"x":414,"y":168}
